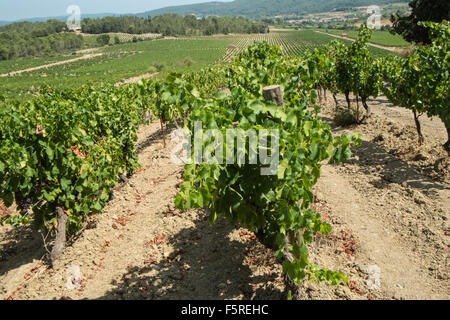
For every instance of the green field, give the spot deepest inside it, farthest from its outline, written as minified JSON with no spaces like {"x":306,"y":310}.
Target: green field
{"x":123,"y":61}
{"x":20,"y":64}
{"x":383,"y":38}
{"x":120,"y":62}
{"x":292,"y":43}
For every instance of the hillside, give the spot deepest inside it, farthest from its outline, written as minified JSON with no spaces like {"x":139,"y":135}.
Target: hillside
{"x":266,"y":8}
{"x":246,"y":8}
{"x":62,"y":18}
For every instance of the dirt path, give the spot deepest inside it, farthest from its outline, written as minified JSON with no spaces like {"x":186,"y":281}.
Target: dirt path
{"x":280,"y":29}
{"x":89,"y":50}
{"x":386,"y":213}
{"x":393,"y":49}
{"x":409,"y":251}
{"x":87,"y":56}
{"x":136,"y":79}
{"x":388,"y":205}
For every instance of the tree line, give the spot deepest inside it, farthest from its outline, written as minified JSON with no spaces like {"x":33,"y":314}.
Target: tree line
{"x":19,"y":45}
{"x":173,"y":25}
{"x":28,"y":39}
{"x":35,"y":29}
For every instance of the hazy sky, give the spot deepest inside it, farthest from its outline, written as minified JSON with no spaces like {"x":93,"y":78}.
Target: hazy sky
{"x":21,"y":9}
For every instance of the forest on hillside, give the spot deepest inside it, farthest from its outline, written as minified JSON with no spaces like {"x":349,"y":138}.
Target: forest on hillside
{"x":257,"y":9}
{"x":28,"y":39}
{"x":173,"y":25}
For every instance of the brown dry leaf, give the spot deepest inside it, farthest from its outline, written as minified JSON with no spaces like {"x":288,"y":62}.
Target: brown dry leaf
{"x":160,"y":239}
{"x":150,"y":261}
{"x":3,"y":209}
{"x":39,"y":129}
{"x":106,"y":244}
{"x":123,"y":221}
{"x":35,"y":269}
{"x":243,"y":233}
{"x":76,"y":150}
{"x":358,"y":292}
{"x":130,"y":213}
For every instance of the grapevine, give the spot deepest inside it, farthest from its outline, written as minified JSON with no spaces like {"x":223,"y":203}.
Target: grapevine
{"x":62,"y":152}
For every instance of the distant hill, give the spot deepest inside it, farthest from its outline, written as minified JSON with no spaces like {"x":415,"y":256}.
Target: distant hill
{"x":63,"y":18}
{"x":247,"y":8}
{"x":265,"y":8}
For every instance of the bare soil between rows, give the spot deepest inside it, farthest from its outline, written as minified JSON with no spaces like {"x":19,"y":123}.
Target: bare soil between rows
{"x":388,"y":206}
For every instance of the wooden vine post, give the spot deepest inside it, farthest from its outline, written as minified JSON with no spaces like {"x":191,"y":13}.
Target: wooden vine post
{"x":60,"y":240}
{"x":275,"y":94}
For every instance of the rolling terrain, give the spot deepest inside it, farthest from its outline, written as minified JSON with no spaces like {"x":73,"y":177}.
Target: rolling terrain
{"x":266,"y":8}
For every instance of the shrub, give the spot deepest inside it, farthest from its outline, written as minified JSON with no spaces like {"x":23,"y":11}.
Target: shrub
{"x":189,"y":62}
{"x":103,"y":39}
{"x":345,"y":117}
{"x":159,"y":66}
